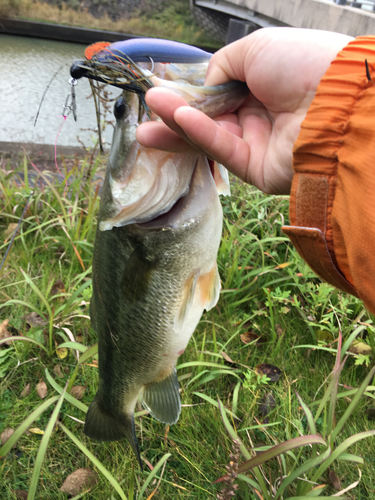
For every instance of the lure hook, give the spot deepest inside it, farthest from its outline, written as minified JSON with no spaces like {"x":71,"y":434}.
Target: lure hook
{"x":70,"y":101}
{"x":152,"y":64}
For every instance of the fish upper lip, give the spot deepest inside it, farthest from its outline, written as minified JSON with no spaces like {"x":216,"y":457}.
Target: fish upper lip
{"x":86,"y":69}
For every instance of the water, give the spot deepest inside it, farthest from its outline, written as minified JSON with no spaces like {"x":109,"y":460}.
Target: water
{"x":26,"y":67}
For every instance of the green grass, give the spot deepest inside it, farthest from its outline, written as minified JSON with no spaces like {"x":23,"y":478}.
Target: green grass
{"x":287,"y":306}
{"x":172,"y":20}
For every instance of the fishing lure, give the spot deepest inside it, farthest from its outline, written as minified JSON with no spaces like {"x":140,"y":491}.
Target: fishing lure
{"x":116,"y":63}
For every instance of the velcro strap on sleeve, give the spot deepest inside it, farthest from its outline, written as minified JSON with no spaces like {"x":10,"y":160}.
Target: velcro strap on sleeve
{"x":312,"y":247}
{"x":310,"y":200}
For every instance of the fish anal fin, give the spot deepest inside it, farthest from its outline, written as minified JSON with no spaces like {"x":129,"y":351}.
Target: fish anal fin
{"x":162,"y":399}
{"x":103,"y":426}
{"x":208,"y":286}
{"x":187,"y":300}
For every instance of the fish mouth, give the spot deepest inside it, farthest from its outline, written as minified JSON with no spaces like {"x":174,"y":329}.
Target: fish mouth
{"x":166,"y":205}
{"x":167,"y":220}
{"x":120,"y":76}
{"x":189,"y":209}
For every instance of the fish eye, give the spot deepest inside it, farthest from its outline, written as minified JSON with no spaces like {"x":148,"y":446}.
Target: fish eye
{"x":119,"y":108}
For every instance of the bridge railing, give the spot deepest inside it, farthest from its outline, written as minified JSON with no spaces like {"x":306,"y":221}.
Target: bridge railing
{"x":368,"y":5}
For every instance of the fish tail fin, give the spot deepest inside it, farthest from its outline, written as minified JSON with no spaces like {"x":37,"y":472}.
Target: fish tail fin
{"x":162,"y":399}
{"x":103,"y":426}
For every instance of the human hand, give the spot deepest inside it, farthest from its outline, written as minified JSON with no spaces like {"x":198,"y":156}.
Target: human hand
{"x":282,"y":68}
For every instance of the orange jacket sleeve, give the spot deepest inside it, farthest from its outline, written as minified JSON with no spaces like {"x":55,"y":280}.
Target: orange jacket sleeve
{"x":332,"y":205}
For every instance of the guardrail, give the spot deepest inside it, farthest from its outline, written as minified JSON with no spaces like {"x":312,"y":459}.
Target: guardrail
{"x":368,"y":5}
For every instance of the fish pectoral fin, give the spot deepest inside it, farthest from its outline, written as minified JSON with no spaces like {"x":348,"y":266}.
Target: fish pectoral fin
{"x":162,"y":399}
{"x":103,"y":426}
{"x":209,"y":287}
{"x":187,"y":300}
{"x":221,"y":179}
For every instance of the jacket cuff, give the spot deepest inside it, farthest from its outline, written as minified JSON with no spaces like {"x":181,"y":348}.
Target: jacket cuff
{"x":322,"y":161}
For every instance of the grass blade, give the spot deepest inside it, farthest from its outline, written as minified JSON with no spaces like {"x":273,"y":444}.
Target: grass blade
{"x":308,"y":465}
{"x":74,"y":345}
{"x":329,"y":390}
{"x":250,"y":481}
{"x":352,"y":406}
{"x":214,"y":403}
{"x":351,"y":458}
{"x":25,"y":304}
{"x":214,"y":374}
{"x":243,"y":450}
{"x":89,"y":353}
{"x":201,"y":363}
{"x":349,"y":393}
{"x":131,"y":485}
{"x":27,"y":339}
{"x":5,"y":449}
{"x":95,"y":461}
{"x":43,"y":448}
{"x":281,"y":448}
{"x":231,"y":431}
{"x":309,"y":415}
{"x":235,"y":397}
{"x":350,"y":339}
{"x":307,"y":497}
{"x":152,"y":474}
{"x":71,"y":399}
{"x":341,"y":449}
{"x":76,"y":294}
{"x":37,"y":291}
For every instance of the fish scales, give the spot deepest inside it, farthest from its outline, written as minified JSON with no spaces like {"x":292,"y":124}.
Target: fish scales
{"x":154,"y":263}
{"x":140,"y":278}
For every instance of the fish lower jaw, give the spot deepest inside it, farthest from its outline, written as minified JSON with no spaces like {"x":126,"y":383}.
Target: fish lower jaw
{"x":105,"y":226}
{"x":154,"y":222}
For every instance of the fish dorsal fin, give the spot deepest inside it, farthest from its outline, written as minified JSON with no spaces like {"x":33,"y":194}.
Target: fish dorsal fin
{"x":162,"y":398}
{"x":187,"y":300}
{"x":208,"y":287}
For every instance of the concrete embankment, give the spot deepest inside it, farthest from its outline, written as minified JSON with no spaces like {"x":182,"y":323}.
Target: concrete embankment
{"x":59,"y":32}
{"x":64,"y":33}
{"x":42,"y":155}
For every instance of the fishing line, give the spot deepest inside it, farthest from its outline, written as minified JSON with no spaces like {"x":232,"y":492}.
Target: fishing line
{"x":69,"y":107}
{"x":58,"y":134}
{"x":45,"y":92}
{"x":97,"y":110}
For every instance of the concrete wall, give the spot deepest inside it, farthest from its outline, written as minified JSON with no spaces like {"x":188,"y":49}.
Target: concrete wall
{"x":317,"y":14}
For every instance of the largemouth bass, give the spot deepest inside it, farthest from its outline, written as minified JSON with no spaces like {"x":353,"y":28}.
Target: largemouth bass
{"x":154,"y":264}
